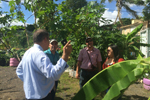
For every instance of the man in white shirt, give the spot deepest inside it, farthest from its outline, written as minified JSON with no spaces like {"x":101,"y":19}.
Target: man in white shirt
{"x":36,"y":70}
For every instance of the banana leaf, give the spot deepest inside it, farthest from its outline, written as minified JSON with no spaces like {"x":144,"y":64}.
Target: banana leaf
{"x":136,"y":50}
{"x":139,"y":56}
{"x":119,"y":76}
{"x":134,"y":32}
{"x":134,"y":39}
{"x":143,"y":44}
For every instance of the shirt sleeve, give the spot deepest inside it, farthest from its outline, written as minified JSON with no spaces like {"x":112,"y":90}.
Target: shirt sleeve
{"x":99,"y":57}
{"x":80,"y":55}
{"x":19,"y":71}
{"x":120,"y":59}
{"x":48,"y":69}
{"x":104,"y":65}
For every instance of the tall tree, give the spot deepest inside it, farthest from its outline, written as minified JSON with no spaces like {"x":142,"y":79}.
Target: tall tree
{"x":124,"y":4}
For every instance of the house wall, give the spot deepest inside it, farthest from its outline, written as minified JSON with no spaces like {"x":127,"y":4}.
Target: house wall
{"x":136,"y":21}
{"x":148,"y":42}
{"x":126,"y":31}
{"x":143,"y":36}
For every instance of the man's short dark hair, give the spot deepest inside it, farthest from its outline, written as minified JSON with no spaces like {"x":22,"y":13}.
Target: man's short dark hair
{"x":39,"y":35}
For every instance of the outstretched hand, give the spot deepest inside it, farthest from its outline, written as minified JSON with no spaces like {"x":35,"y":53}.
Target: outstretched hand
{"x":67,"y":49}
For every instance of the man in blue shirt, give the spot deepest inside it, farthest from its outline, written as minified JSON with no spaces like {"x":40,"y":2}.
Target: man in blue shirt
{"x":36,"y":70}
{"x":54,"y":57}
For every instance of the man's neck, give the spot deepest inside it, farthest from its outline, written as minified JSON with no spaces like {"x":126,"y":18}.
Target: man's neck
{"x":53,"y":52}
{"x":40,"y":45}
{"x":90,"y":48}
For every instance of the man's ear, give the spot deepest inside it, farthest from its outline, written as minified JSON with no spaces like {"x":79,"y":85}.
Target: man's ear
{"x":49,"y":45}
{"x":45,"y":39}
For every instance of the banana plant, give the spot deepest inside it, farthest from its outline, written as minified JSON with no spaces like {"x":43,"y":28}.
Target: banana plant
{"x":132,"y":43}
{"x":119,"y":76}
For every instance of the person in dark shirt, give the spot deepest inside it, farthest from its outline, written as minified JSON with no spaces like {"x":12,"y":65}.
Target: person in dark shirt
{"x":54,"y":57}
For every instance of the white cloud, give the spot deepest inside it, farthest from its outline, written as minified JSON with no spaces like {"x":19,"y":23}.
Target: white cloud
{"x":17,"y":23}
{"x":109,"y":15}
{"x":14,"y":22}
{"x":3,"y":15}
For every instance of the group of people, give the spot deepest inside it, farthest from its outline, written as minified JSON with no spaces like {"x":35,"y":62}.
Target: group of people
{"x":89,"y":61}
{"x":41,"y":66}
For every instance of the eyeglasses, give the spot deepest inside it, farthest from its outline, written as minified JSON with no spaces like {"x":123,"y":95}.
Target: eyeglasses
{"x":87,"y":41}
{"x":108,"y":50}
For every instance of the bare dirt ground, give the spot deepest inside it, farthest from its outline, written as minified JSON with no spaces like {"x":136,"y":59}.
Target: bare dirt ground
{"x":11,"y":88}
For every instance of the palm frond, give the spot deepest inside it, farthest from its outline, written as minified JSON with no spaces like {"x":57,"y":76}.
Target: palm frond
{"x":132,"y":12}
{"x":137,"y":2}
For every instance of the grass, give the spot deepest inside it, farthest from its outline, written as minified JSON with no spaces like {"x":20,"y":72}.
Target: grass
{"x":68,"y":87}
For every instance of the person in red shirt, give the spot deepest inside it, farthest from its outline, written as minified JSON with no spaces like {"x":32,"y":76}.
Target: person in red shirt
{"x":112,"y":58}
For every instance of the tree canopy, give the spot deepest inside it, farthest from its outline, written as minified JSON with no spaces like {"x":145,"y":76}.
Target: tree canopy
{"x":75,"y":4}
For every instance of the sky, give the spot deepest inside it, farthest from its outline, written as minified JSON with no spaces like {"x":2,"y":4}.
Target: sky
{"x":110,"y":13}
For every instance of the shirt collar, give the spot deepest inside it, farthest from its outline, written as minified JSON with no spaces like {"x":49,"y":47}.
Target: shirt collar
{"x":38,"y":46}
{"x":87,"y":49}
{"x":49,"y":51}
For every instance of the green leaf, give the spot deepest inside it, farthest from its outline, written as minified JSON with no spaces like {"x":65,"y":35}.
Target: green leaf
{"x":118,"y":88}
{"x":41,"y":12}
{"x":11,"y":3}
{"x":104,"y":79}
{"x":12,"y":9}
{"x":119,"y":76}
{"x":134,"y":32}
{"x":143,"y":44}
{"x":139,"y":56}
{"x":83,"y":45}
{"x":138,"y":51}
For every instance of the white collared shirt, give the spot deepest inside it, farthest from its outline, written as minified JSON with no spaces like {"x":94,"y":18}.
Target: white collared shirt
{"x":37,"y":72}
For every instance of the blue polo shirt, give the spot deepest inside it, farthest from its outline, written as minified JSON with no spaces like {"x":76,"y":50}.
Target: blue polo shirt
{"x":53,"y":57}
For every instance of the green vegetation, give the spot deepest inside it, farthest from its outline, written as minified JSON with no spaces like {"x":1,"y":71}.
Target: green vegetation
{"x":119,"y":76}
